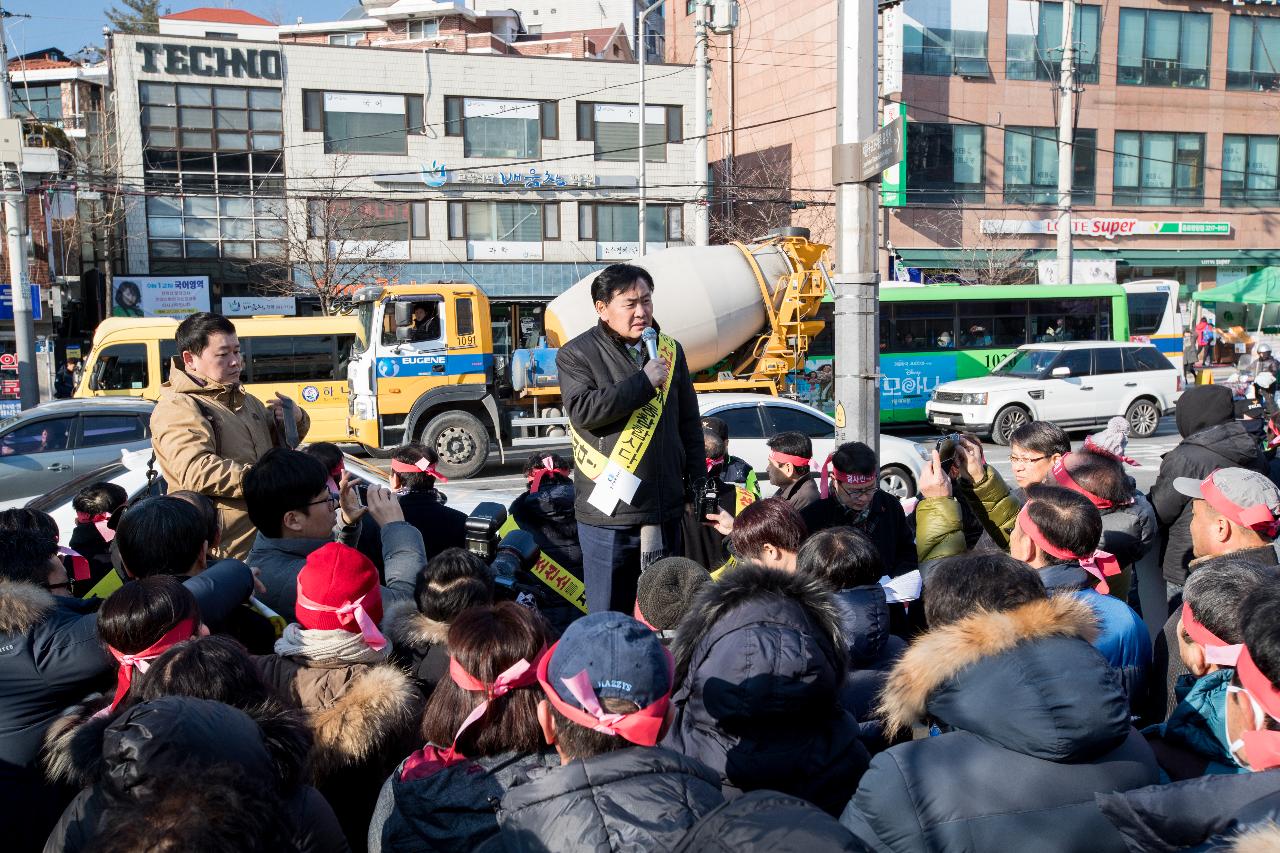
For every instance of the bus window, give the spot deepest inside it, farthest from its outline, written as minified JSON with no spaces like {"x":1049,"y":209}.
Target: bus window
{"x":1058,"y":320}
{"x":305,"y":358}
{"x":986,"y":325}
{"x":122,"y":367}
{"x":168,"y":349}
{"x":1146,"y":312}
{"x":921,"y":326}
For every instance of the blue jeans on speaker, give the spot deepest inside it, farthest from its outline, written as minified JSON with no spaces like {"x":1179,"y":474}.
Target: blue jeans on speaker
{"x":611,"y":563}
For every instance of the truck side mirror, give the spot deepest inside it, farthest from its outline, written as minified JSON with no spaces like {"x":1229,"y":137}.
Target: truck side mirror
{"x":404,"y":334}
{"x":404,"y":314}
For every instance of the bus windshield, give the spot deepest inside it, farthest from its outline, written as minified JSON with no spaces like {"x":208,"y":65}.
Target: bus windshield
{"x":1025,"y":363}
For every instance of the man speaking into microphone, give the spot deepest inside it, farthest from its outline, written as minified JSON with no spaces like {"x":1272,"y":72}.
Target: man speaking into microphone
{"x":637,"y":437}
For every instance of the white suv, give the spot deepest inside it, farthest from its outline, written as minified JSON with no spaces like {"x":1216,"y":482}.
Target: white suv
{"x":1074,"y":385}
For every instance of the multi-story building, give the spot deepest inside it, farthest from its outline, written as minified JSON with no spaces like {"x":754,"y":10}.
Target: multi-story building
{"x":1177,"y":155}
{"x":517,"y":173}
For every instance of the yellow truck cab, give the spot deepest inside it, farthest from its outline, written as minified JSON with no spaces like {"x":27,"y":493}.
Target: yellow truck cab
{"x":423,"y":371}
{"x":304,"y":358}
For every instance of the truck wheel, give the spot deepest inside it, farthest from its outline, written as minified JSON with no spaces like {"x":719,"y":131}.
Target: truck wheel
{"x":1007,"y":421}
{"x":461,"y":441}
{"x":1143,"y":418}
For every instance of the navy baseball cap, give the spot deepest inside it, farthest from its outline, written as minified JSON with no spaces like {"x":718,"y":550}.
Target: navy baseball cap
{"x":605,"y":656}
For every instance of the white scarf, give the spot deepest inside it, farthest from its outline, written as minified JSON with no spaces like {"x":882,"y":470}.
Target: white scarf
{"x":328,"y":646}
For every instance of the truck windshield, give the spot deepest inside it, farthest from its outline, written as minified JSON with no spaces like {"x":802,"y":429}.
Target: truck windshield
{"x":1026,"y":363}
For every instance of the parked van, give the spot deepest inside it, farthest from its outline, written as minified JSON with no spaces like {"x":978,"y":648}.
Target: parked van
{"x":304,"y":358}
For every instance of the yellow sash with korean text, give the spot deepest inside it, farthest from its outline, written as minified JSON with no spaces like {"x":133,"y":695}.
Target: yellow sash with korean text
{"x":554,"y":575}
{"x":636,"y":435}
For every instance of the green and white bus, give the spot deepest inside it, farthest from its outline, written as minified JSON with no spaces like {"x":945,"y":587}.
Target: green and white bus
{"x":930,"y":334}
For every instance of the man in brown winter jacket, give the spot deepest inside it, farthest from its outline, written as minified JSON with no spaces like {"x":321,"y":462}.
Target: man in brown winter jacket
{"x":207,"y":432}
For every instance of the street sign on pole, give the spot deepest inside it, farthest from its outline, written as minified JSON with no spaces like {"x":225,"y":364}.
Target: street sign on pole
{"x":858,"y":162}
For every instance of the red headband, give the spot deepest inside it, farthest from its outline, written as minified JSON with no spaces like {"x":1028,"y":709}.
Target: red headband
{"x":1065,"y":479}
{"x":830,"y":471}
{"x":711,"y":463}
{"x":1215,"y":650}
{"x":548,"y":468}
{"x":422,"y":466}
{"x":798,"y":461}
{"x":98,"y":520}
{"x":1261,"y":747}
{"x":1093,"y":447}
{"x":1275,"y":433}
{"x":431,"y":759}
{"x":352,"y":612}
{"x":1258,"y":517}
{"x":639,"y":727}
{"x":184,"y":630}
{"x":1100,"y":564}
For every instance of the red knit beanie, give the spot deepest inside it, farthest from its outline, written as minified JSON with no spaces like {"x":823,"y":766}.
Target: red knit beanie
{"x":334,"y":577}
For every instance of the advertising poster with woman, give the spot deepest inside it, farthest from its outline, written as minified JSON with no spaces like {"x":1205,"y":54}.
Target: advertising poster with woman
{"x":159,"y":296}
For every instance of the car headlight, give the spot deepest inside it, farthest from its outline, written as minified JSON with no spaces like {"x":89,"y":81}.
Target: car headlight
{"x":973,"y":399}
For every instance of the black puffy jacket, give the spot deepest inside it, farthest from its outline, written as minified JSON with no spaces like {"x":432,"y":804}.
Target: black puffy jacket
{"x":1034,"y":722}
{"x":143,"y":746}
{"x":1211,"y":439}
{"x":453,"y":809}
{"x":864,"y":616}
{"x":886,"y":525}
{"x":768,"y":822}
{"x":442,"y":527}
{"x":1164,"y":818}
{"x":760,"y":660}
{"x":601,"y":386}
{"x":639,"y":798}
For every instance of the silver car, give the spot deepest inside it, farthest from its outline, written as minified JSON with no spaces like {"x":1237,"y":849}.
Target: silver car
{"x":53,"y":443}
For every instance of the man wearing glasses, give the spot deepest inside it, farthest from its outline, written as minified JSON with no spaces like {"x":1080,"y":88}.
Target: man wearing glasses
{"x":850,"y":484}
{"x":297,"y":509}
{"x":1034,"y":448}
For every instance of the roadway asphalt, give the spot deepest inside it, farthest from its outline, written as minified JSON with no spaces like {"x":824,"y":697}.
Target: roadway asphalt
{"x":503,"y":482}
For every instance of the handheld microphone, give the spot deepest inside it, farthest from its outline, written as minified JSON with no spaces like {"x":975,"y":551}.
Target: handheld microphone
{"x":650,"y":338}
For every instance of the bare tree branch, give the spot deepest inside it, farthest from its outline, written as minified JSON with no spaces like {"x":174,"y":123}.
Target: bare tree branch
{"x":981,"y":258}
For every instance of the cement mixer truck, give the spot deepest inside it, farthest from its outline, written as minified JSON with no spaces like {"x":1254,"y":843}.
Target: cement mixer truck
{"x":424,"y":369}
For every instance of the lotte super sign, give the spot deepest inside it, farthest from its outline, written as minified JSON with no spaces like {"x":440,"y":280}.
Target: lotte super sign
{"x":1108,"y":227}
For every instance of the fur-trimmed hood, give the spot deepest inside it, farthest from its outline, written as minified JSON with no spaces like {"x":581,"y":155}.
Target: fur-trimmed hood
{"x":1027,"y":679}
{"x":409,"y":629}
{"x":804,"y":651}
{"x":355,"y":711}
{"x":23,"y":606}
{"x":73,"y":751}
{"x":1262,"y":838}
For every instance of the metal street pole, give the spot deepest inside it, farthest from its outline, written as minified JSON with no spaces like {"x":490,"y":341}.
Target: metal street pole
{"x":857,"y":278}
{"x":701,"y":212}
{"x":1066,"y":140}
{"x":643,"y":49}
{"x":24,"y":331}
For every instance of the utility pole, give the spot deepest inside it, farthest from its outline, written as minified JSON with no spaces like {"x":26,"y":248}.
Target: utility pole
{"x":701,"y":213}
{"x":1066,"y":140}
{"x":857,"y":279}
{"x":15,"y":224}
{"x":643,"y":49}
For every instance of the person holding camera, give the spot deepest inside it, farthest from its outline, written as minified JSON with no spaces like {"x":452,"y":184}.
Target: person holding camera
{"x":634,"y":422}
{"x":713,"y":497}
{"x":413,"y":478}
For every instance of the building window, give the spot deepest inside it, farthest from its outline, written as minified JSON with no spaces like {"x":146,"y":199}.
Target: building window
{"x":383,"y":227}
{"x":1159,"y":168}
{"x":1159,"y":48}
{"x":1250,"y":165}
{"x":1031,"y":165}
{"x":1034,"y":42}
{"x":504,"y":221}
{"x":202,"y":142}
{"x":195,"y":226}
{"x":427,"y":29}
{"x":362,"y":122}
{"x":1253,"y":53}
{"x":614,"y":128}
{"x":41,"y":102}
{"x":494,"y":128}
{"x":945,"y":37}
{"x":944,"y":163}
{"x":346,"y":39}
{"x":620,"y":223}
